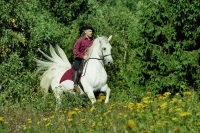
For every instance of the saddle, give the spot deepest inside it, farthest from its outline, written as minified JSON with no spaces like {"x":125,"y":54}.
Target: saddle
{"x":69,"y":73}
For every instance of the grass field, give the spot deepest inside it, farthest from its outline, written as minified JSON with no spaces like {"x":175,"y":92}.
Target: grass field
{"x":151,"y":114}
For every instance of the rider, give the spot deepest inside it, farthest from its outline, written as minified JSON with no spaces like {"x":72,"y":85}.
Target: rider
{"x":80,"y":47}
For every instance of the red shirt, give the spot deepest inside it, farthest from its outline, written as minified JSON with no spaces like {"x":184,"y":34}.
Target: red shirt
{"x":81,"y":45}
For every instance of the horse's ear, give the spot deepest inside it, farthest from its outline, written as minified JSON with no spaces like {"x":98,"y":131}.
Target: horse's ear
{"x":110,"y":37}
{"x":97,"y":36}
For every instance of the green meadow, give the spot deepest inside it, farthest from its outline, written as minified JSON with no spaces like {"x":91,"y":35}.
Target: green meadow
{"x":124,"y":113}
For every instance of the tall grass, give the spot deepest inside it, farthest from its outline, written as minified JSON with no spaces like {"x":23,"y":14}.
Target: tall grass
{"x":153,"y":113}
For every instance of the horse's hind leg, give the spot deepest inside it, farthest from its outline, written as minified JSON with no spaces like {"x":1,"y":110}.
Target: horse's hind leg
{"x":106,"y":89}
{"x":58,"y":91}
{"x":57,"y":94}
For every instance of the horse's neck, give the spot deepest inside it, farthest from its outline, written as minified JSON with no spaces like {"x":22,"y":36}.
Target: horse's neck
{"x":95,"y":53}
{"x":95,"y":58}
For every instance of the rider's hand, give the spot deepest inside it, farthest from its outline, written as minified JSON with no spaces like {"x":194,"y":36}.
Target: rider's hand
{"x":85,"y":57}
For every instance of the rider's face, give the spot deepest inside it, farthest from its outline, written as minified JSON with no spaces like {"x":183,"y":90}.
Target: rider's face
{"x":88,"y":33}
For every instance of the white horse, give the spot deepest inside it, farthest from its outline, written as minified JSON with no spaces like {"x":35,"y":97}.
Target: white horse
{"x":93,"y":78}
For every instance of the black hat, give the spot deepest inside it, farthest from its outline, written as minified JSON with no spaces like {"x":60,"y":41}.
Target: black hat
{"x":89,"y":28}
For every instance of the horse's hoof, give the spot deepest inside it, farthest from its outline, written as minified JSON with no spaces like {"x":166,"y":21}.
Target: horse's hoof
{"x":106,"y":101}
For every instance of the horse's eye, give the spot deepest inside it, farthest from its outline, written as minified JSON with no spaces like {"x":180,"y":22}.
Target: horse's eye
{"x":104,"y":49}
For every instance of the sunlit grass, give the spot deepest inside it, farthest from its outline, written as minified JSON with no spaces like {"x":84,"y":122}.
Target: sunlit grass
{"x":153,"y":113}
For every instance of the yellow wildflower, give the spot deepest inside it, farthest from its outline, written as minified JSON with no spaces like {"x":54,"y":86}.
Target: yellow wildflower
{"x":130,"y":105}
{"x":78,"y":90}
{"x":179,"y":101}
{"x":183,"y":114}
{"x":139,"y":106}
{"x":183,"y":86}
{"x":160,"y":124}
{"x":151,"y":126}
{"x":111,"y":123}
{"x":69,"y":119}
{"x":71,"y":113}
{"x":93,"y":124}
{"x":76,"y":109}
{"x":99,"y":124}
{"x":177,"y":94}
{"x":166,"y":94}
{"x":120,"y":113}
{"x":161,"y":97}
{"x":100,"y":118}
{"x":178,"y":109}
{"x":187,"y":93}
{"x":146,"y":100}
{"x":83,"y":120}
{"x":158,"y":95}
{"x":1,"y":118}
{"x":170,"y":110}
{"x":101,"y":98}
{"x":130,"y":125}
{"x":92,"y":109}
{"x":148,"y":93}
{"x":48,"y":124}
{"x":24,"y":127}
{"x":61,"y":119}
{"x":164,"y":105}
{"x":174,"y":100}
{"x":29,"y":120}
{"x":174,"y":119}
{"x":45,"y":119}
{"x":52,"y":116}
{"x":197,"y":114}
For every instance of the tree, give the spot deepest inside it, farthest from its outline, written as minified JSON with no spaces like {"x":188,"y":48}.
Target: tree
{"x":165,"y":44}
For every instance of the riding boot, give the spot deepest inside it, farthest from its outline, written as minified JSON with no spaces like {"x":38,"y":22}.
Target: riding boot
{"x":75,"y":79}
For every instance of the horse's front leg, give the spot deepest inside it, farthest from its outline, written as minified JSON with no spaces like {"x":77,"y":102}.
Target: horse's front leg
{"x":106,"y":89}
{"x":89,"y":91}
{"x":91,"y":95}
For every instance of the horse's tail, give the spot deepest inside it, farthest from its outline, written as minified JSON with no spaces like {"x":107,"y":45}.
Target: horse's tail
{"x":53,"y":65}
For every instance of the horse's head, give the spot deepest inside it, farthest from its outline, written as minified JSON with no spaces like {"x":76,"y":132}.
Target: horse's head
{"x":105,"y":50}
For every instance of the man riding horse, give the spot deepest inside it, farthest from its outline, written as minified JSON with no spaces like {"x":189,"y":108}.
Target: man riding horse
{"x":79,"y":50}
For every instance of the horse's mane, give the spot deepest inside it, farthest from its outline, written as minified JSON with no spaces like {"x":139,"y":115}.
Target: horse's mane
{"x":101,"y":40}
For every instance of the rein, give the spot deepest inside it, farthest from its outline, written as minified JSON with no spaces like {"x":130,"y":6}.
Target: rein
{"x":99,"y":58}
{"x":86,"y":62}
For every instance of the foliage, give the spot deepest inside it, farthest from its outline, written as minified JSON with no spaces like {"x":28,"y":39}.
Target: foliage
{"x":15,"y":87}
{"x":164,"y":43}
{"x":65,"y":11}
{"x":27,"y":26}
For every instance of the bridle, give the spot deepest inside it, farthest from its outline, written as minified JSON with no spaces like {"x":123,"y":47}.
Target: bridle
{"x":103,"y":56}
{"x":103,"y":59}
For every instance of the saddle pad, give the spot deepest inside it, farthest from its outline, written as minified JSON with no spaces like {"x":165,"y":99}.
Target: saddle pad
{"x":67,"y":75}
